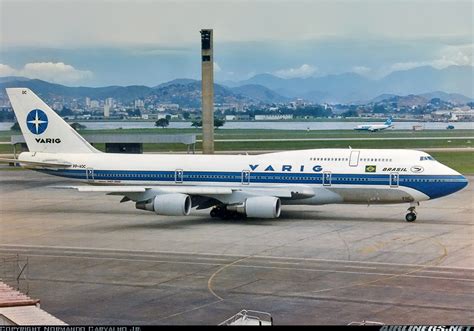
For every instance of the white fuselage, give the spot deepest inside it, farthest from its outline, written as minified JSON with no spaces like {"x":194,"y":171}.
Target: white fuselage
{"x":334,"y":175}
{"x":232,"y":185}
{"x":373,"y":127}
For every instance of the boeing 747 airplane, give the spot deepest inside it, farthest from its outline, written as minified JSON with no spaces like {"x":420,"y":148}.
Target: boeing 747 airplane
{"x":231,"y":185}
{"x":375,"y":127}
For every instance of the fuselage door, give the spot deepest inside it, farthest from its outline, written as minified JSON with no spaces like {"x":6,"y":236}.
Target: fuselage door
{"x":394,"y":179}
{"x":178,"y":175}
{"x":245,"y":177}
{"x":90,"y":175}
{"x":327,"y":178}
{"x":354,"y":159}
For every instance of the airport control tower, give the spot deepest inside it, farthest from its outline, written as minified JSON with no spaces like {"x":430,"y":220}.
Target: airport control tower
{"x":207,"y":61}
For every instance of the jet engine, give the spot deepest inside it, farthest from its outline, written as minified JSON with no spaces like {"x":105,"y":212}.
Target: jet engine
{"x":174,"y":204}
{"x":259,"y":207}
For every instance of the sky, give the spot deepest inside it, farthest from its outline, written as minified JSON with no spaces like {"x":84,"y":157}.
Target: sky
{"x":144,"y":42}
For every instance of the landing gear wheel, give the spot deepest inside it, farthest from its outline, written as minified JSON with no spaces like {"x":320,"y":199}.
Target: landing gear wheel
{"x":218,"y":212}
{"x":236,"y":216}
{"x":410,"y":217}
{"x":224,"y":214}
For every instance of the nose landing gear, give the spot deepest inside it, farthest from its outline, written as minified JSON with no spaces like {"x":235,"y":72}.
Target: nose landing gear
{"x":411,"y":216}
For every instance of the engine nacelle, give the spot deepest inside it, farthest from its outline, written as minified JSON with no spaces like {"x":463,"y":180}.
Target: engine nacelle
{"x":263,"y":207}
{"x":174,"y":204}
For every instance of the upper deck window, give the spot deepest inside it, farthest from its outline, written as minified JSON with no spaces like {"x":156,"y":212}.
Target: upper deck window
{"x":427,"y":158}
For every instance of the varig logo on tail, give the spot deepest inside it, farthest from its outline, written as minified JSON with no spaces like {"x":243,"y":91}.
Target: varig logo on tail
{"x":37,"y":121}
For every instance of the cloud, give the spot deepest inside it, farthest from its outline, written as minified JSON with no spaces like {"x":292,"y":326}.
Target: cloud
{"x":58,"y":72}
{"x":461,"y":55}
{"x":361,"y":70}
{"x":162,"y":21}
{"x":306,"y":70}
{"x":159,"y":51}
{"x":6,"y":70}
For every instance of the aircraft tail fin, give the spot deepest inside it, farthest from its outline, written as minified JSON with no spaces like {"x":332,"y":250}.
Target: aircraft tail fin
{"x":389,"y":121}
{"x":43,"y":129}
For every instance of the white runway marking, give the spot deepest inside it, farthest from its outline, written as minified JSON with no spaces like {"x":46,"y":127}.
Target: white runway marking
{"x":216,"y":256}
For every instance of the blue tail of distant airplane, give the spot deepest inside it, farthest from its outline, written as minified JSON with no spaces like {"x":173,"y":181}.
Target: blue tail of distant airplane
{"x":388,"y":121}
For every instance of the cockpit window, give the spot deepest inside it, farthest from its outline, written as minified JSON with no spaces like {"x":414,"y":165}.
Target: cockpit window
{"x":427,"y":158}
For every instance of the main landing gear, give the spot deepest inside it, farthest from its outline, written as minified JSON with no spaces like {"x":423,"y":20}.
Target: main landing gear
{"x":222,"y":213}
{"x":411,"y":216}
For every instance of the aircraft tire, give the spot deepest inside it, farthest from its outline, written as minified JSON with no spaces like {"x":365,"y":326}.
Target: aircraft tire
{"x":410,"y":217}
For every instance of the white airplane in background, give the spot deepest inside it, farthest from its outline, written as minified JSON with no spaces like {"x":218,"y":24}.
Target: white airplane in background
{"x":375,"y":127}
{"x":232,"y":185}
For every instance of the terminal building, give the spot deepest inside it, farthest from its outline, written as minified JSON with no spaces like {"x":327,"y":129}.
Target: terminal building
{"x":273,"y":117}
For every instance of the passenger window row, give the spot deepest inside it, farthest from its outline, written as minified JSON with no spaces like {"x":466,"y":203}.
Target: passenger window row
{"x":335,"y":159}
{"x":238,"y":177}
{"x":423,"y":180}
{"x":367,"y":159}
{"x":339,"y":159}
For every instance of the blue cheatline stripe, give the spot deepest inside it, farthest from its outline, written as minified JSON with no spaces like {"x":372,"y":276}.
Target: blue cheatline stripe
{"x":432,"y":185}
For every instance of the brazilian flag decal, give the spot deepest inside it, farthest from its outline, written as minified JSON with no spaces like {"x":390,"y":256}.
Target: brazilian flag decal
{"x":370,"y":168}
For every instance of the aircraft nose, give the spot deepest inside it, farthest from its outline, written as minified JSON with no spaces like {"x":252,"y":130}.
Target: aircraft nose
{"x":449,"y":186}
{"x":462,"y":182}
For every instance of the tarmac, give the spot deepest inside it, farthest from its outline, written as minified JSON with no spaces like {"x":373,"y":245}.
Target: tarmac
{"x":93,"y":260}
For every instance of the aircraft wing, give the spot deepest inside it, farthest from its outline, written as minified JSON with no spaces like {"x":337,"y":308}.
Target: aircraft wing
{"x":124,"y":189}
{"x":120,"y":190}
{"x":138,"y":193}
{"x":38,"y":164}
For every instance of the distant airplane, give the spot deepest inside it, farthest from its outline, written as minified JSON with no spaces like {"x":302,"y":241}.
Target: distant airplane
{"x":375,"y":127}
{"x":232,"y":185}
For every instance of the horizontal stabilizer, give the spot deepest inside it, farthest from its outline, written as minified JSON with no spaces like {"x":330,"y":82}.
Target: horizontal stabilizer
{"x":38,"y":164}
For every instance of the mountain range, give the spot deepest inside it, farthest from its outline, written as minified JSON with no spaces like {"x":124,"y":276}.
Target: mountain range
{"x":454,"y":98}
{"x":186,"y":92}
{"x":453,"y":84}
{"x":351,"y":87}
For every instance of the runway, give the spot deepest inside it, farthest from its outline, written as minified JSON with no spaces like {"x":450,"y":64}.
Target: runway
{"x":93,"y":260}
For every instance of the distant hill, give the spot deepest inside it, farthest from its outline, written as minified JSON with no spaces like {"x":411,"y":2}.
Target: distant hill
{"x":408,"y":100}
{"x":452,"y":84}
{"x":422,"y":99}
{"x":319,"y":97}
{"x":179,"y":81}
{"x":253,"y":93}
{"x":185,"y":92}
{"x":50,"y":90}
{"x":189,"y":95}
{"x":351,"y":87}
{"x":269,"y":81}
{"x":260,"y":93}
{"x":331,"y":88}
{"x":383,"y":97}
{"x":12,"y":79}
{"x":454,"y":98}
{"x":453,"y":79}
